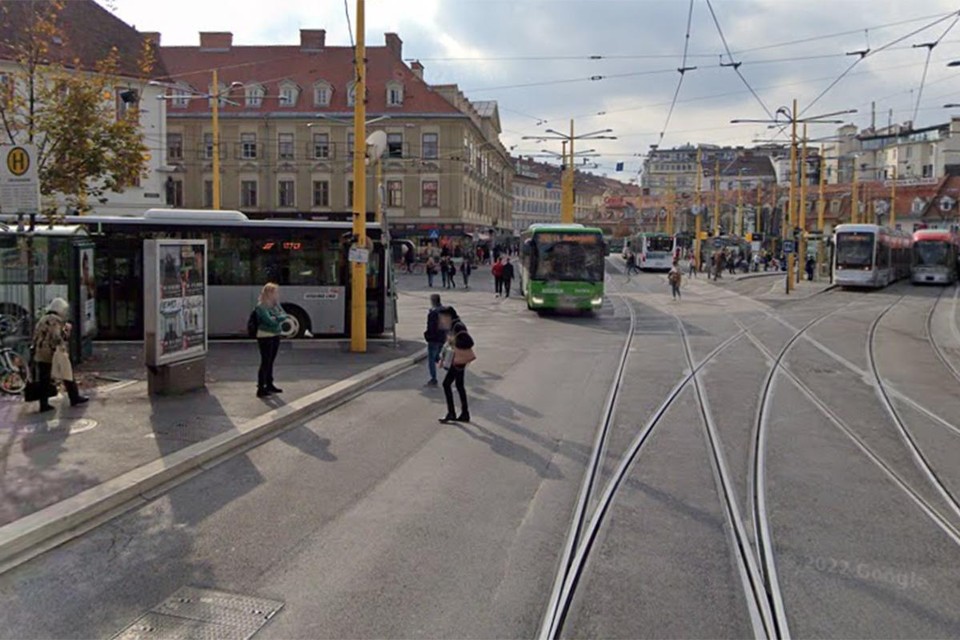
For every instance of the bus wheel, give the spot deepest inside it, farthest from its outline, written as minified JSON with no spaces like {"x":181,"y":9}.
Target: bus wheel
{"x":301,"y":318}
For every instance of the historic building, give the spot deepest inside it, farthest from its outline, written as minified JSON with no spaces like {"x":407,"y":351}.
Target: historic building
{"x":286,"y":136}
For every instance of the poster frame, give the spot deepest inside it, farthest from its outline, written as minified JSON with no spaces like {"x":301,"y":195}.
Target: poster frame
{"x":153,"y":296}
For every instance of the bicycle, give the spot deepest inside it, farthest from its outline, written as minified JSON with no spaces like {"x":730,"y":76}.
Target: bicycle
{"x":13,"y":366}
{"x":416,"y":268}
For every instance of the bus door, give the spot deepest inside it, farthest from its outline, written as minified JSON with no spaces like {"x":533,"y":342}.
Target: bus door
{"x":376,"y":286}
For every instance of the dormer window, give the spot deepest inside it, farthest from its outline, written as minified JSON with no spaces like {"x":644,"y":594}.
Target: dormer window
{"x":351,"y":94}
{"x":394,"y":94}
{"x":220,"y":92}
{"x":288,"y":94}
{"x":321,"y":94}
{"x":253,"y":95}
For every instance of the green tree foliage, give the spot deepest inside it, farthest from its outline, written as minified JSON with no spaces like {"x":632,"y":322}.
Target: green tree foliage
{"x":89,"y":139}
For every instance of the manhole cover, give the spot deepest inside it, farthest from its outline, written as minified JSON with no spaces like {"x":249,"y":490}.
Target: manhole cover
{"x":203,"y":613}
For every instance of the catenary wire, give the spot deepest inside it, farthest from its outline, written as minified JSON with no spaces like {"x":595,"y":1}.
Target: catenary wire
{"x":734,"y":64}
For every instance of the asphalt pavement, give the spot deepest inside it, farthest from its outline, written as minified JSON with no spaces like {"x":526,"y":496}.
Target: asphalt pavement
{"x":830,"y":481}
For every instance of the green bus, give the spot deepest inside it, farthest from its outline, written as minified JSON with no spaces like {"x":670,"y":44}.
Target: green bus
{"x":562,"y":267}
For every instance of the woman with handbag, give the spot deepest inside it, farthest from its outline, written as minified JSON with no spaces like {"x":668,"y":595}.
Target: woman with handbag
{"x":50,"y":342}
{"x":458,"y":354}
{"x":270,"y":318}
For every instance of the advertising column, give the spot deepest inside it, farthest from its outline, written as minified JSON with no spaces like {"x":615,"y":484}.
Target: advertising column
{"x":175,"y":322}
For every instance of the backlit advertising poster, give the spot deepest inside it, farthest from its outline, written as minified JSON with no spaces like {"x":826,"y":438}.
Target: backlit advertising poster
{"x":176,"y":327}
{"x":87,"y":302}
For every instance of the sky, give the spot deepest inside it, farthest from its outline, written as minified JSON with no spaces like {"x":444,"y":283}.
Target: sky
{"x":613,"y":64}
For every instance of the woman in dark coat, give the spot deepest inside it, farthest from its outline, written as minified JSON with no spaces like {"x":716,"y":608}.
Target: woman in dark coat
{"x":462,"y":344}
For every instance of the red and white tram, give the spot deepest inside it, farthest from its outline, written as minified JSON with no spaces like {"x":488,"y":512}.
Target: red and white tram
{"x":868,"y":255}
{"x":935,"y":253}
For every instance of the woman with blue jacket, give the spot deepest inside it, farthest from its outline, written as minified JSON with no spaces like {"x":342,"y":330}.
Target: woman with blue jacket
{"x":270,"y":318}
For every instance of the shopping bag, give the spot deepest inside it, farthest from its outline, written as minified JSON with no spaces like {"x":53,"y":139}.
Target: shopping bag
{"x":61,"y":369}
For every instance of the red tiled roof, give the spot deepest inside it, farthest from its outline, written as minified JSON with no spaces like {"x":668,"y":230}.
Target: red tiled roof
{"x":268,"y":66}
{"x":89,"y":32}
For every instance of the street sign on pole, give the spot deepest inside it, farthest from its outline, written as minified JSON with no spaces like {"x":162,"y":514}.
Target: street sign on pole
{"x":789,"y":246}
{"x":19,"y":181}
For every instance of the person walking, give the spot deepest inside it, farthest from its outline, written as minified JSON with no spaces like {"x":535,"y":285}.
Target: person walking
{"x":692,"y":266}
{"x":497,"y":271}
{"x":460,"y":341}
{"x":674,"y":278}
{"x":431,"y":269}
{"x":466,"y":268}
{"x":444,"y":274}
{"x":270,"y":318}
{"x":811,"y":265}
{"x":507,"y":277}
{"x":409,"y":258}
{"x":452,"y":272}
{"x":435,"y":336}
{"x":50,"y":341}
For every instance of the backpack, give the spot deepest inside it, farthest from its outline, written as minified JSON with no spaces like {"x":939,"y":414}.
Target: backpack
{"x":253,"y":323}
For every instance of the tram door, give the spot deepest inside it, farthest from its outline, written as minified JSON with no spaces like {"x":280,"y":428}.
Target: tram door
{"x":119,"y":290}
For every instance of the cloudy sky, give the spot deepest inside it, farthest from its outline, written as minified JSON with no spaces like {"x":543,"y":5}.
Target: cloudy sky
{"x":537,"y":58}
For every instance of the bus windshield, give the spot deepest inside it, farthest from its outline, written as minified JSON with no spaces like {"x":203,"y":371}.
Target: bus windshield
{"x":854,"y":249}
{"x":930,"y":253}
{"x":660,"y":243}
{"x":569,"y":256}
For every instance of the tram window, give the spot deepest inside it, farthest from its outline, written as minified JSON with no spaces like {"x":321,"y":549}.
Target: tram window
{"x":855,"y":249}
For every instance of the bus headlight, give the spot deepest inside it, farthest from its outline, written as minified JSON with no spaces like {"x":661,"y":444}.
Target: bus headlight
{"x":536,"y":300}
{"x":597,"y":301}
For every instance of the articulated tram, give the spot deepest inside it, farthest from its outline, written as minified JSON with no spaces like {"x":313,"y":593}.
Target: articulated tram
{"x":935,"y":254}
{"x":868,"y":255}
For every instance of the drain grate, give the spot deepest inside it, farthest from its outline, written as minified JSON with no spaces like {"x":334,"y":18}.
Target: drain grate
{"x":202,"y":614}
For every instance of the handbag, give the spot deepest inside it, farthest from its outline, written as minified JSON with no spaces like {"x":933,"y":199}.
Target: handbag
{"x":60,"y":368}
{"x":33,"y":392}
{"x":463,"y":357}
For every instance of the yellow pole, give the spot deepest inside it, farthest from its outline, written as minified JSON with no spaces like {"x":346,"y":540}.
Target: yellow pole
{"x":358,"y":270}
{"x":569,"y":196}
{"x":821,"y":208}
{"x":893,"y":199}
{"x":758,"y":216}
{"x":379,"y":200}
{"x":699,"y":216}
{"x":854,"y":199}
{"x":740,"y":203}
{"x":716,"y":198}
{"x":670,"y":205}
{"x":791,"y":197}
{"x":802,"y":240}
{"x":216,"y":141}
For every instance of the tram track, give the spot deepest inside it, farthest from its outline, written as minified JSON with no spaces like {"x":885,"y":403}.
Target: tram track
{"x":882,"y":393}
{"x":585,"y":528}
{"x":937,"y":349}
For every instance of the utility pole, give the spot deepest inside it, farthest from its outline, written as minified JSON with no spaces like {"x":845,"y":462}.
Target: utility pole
{"x":699,"y":216}
{"x":821,"y":208}
{"x":740,"y":202}
{"x":802,"y":240}
{"x":569,"y":215}
{"x":216,"y":141}
{"x":671,"y":204}
{"x":854,"y":197}
{"x":893,"y":199}
{"x":358,"y":269}
{"x":758,"y":216}
{"x":716,"y":198}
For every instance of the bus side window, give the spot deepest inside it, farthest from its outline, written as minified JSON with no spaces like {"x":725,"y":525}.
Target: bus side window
{"x":229,"y":260}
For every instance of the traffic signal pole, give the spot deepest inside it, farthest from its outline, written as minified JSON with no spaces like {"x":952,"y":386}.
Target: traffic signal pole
{"x":699,"y":217}
{"x":358,"y":269}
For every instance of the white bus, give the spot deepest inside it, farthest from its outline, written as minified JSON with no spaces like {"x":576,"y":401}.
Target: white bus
{"x":654,"y":251}
{"x":308,"y":259}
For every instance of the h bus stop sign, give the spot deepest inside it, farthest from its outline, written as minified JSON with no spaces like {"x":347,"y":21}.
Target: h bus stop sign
{"x":19,"y":181}
{"x":789,"y":246}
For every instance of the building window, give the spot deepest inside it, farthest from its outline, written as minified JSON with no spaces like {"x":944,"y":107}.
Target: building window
{"x":288,"y":95}
{"x":394,"y":145}
{"x":208,"y":146}
{"x":350,"y":145}
{"x":254,"y":96}
{"x":321,"y":95}
{"x":351,"y":94}
{"x":394,"y":95}
{"x":286,"y":193}
{"x":321,"y":146}
{"x":175,"y":193}
{"x":174,"y":146}
{"x":248,"y":193}
{"x":321,"y":193}
{"x":208,"y":193}
{"x":349,"y":194}
{"x":428,"y":194}
{"x":834,"y":206}
{"x":181,"y":98}
{"x":248,"y":146}
{"x":431,"y":146}
{"x":285,"y":146}
{"x":394,"y":193}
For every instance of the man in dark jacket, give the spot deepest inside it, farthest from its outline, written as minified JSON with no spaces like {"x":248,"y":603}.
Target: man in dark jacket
{"x":507,"y":277}
{"x":435,"y":337}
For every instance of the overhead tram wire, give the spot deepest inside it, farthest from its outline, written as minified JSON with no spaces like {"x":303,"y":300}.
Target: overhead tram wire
{"x":930,"y":46}
{"x":864,"y":53}
{"x":346,"y":11}
{"x":683,"y":71}
{"x":733,"y":64}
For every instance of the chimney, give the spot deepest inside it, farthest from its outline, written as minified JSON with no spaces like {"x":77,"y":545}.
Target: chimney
{"x":216,"y":40}
{"x":417,"y":69}
{"x":394,"y":44}
{"x":153,"y":37}
{"x":313,"y":39}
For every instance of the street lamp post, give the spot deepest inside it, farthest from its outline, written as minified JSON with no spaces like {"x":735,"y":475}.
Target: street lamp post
{"x":358,"y":268}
